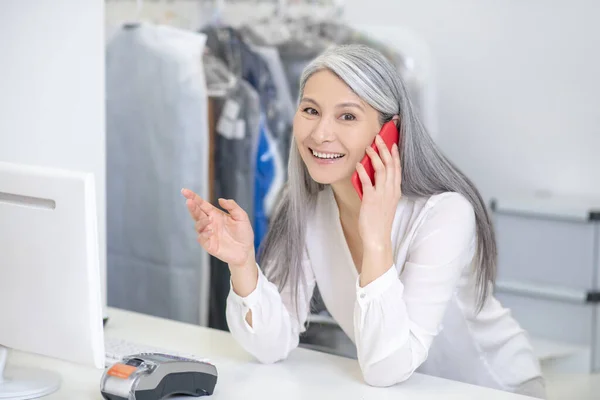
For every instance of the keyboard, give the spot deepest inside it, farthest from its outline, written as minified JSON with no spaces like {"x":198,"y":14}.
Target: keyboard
{"x":116,"y":349}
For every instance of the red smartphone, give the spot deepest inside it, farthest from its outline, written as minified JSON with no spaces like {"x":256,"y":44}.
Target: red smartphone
{"x":390,"y":135}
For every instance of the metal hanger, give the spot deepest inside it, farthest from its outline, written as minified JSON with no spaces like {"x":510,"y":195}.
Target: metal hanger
{"x":139,"y":4}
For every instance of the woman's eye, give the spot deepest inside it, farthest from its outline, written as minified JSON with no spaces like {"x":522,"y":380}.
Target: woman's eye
{"x":348,"y":117}
{"x":310,"y":111}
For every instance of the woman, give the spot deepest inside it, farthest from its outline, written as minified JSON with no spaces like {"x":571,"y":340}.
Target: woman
{"x":406,"y":272}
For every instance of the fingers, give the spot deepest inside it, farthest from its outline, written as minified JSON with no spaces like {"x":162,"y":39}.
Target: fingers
{"x":367,"y":186}
{"x":378,"y":166}
{"x":203,"y":224}
{"x":397,"y":167}
{"x":194,"y":210}
{"x":206,"y":233}
{"x":188,"y":194}
{"x":197,"y":206}
{"x":236,"y":212}
{"x":384,"y":153}
{"x":388,"y":160}
{"x":206,"y":241}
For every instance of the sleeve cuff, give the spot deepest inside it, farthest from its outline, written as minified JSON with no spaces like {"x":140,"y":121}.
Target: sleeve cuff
{"x":253,"y":298}
{"x":377,"y":287}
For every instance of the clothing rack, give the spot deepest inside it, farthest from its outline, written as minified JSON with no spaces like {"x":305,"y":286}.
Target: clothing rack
{"x":190,"y":14}
{"x":281,"y":8}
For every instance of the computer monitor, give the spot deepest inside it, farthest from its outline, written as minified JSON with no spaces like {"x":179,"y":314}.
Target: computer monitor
{"x":50,"y":298}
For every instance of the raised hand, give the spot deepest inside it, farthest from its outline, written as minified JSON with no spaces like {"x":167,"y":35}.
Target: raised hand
{"x":378,"y":209}
{"x":379,"y":201}
{"x":225,"y":235}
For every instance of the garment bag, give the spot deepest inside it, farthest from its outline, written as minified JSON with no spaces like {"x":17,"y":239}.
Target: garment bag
{"x":157,"y":143}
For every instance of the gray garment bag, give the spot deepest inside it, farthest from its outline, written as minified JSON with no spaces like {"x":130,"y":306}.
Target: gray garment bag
{"x":156,"y":143}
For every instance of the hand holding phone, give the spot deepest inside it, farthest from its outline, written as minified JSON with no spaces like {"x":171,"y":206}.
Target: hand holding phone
{"x":390,"y":135}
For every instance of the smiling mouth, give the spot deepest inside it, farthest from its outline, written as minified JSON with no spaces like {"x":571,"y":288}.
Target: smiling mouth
{"x":326,"y":156}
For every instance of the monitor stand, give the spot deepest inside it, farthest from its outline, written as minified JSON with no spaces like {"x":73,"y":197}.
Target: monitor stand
{"x":22,"y":383}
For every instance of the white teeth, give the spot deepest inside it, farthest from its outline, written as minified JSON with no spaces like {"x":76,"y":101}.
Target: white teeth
{"x":326,"y":155}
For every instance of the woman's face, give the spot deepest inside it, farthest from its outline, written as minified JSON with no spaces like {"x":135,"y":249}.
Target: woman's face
{"x":332,"y":128}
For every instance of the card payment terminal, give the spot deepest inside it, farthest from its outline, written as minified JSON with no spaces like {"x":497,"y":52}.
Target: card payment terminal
{"x":155,"y":376}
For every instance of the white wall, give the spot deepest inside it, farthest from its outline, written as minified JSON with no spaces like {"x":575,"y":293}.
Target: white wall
{"x":52,"y":89}
{"x":518,"y":86}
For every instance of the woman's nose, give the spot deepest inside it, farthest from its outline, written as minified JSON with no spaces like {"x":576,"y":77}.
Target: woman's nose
{"x":323,"y":131}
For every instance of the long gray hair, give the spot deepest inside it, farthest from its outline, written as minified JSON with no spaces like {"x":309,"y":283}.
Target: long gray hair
{"x":425,"y":170}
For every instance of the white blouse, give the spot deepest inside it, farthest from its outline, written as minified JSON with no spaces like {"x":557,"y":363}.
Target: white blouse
{"x":420,"y":314}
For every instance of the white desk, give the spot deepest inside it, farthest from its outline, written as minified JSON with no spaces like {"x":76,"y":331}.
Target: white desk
{"x":306,"y":374}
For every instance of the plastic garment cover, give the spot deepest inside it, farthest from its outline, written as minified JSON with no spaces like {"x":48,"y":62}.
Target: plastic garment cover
{"x":157,"y":143}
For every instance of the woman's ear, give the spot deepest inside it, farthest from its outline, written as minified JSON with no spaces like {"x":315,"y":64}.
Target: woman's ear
{"x":396,"y":119}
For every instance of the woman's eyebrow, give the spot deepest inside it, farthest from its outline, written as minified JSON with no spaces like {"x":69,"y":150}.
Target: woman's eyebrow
{"x":349,"y":104}
{"x":309,"y":100}
{"x":341,"y":105}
